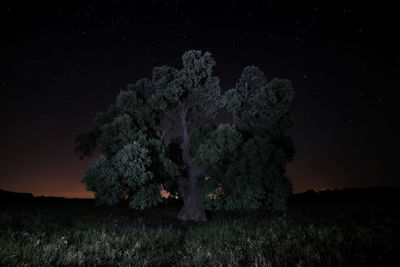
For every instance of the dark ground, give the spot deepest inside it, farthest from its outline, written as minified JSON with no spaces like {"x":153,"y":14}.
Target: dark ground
{"x":350,"y":227}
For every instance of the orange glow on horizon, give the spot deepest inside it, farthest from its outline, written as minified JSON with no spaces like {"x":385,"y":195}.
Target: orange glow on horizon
{"x":46,"y":176}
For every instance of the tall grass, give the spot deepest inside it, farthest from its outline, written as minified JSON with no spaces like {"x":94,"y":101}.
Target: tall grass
{"x":88,"y":236}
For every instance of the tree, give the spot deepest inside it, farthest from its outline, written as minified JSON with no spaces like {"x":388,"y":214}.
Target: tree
{"x":230,"y":166}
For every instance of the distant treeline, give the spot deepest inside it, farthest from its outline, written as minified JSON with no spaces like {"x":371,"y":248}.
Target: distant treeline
{"x":8,"y":197}
{"x":365,"y":194}
{"x":14,"y":195}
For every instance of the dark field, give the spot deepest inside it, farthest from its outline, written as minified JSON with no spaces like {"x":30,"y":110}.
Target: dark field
{"x":354,"y":227}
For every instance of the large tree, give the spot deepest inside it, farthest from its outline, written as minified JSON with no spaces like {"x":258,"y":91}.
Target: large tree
{"x":231,"y":166}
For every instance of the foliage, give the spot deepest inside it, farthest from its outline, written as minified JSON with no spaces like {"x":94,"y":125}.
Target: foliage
{"x":254,"y":180}
{"x":191,"y":90}
{"x":125,"y":175}
{"x":258,"y":105}
{"x":133,"y":162}
{"x":102,"y":178}
{"x":245,"y":162}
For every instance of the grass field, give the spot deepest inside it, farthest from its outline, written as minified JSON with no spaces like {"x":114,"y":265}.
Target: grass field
{"x":315,"y":232}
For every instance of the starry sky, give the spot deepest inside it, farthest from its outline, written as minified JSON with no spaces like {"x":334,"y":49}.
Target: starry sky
{"x":64,"y":61}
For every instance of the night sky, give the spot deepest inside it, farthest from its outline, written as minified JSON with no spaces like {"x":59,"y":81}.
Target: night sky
{"x":64,"y":61}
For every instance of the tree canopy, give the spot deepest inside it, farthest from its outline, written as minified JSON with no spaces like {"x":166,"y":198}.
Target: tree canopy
{"x":238,"y":165}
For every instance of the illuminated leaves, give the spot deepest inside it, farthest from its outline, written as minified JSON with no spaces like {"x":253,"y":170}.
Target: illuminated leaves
{"x":103,"y":179}
{"x":132,"y":163}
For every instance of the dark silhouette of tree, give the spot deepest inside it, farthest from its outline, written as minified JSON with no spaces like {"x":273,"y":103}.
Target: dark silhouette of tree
{"x":229,"y":166}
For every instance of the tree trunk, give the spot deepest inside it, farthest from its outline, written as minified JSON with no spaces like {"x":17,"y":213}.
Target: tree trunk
{"x":192,"y":209}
